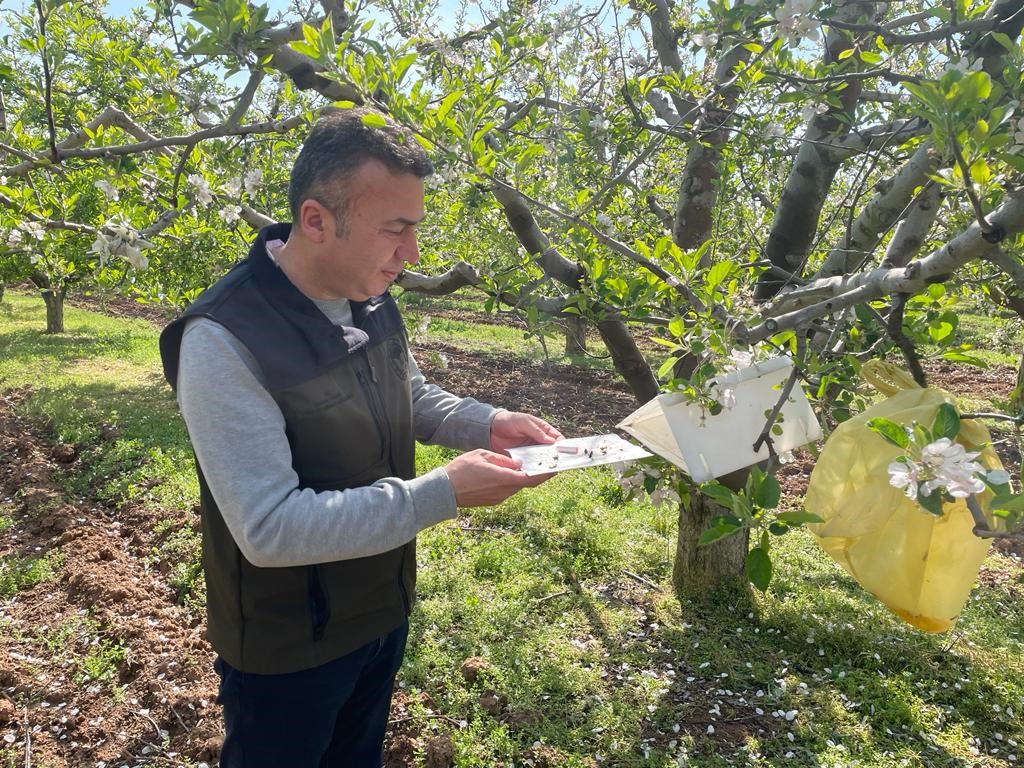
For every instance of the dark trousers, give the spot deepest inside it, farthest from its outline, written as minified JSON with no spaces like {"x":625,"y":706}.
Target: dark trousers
{"x":331,"y":716}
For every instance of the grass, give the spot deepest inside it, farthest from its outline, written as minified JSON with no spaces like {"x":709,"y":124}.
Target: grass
{"x":19,"y":573}
{"x":564,"y":591}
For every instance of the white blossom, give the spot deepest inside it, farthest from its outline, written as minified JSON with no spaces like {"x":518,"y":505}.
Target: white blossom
{"x":795,"y":21}
{"x":812,"y":108}
{"x":231,"y":213}
{"x":604,"y":221}
{"x":252,"y":181}
{"x":14,"y":238}
{"x":943,"y":465}
{"x":637,"y":61}
{"x":204,"y":196}
{"x":117,"y":238}
{"x":708,"y":40}
{"x":904,"y":475}
{"x":233,"y":186}
{"x":726,"y":397}
{"x":598,"y":124}
{"x":107,"y":189}
{"x":775,"y":130}
{"x":740,"y":358}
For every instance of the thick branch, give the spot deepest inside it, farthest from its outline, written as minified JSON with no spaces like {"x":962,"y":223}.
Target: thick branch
{"x":160,"y":145}
{"x":850,"y":290}
{"x":461,"y":275}
{"x":881,"y":214}
{"x":911,"y":233}
{"x":698,"y":192}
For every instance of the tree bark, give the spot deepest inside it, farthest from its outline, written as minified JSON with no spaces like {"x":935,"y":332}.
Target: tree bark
{"x":628,"y":359}
{"x":697,"y":568}
{"x":575,"y":336}
{"x":54,"y":300}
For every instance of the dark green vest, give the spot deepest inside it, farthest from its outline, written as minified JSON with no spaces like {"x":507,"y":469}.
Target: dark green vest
{"x":347,"y":406}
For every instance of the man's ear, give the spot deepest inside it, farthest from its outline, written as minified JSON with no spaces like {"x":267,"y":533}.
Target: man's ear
{"x":315,"y":221}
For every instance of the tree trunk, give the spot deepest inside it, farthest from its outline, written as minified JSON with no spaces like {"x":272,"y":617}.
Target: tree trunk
{"x":54,"y":309}
{"x":575,"y":336}
{"x":628,"y":359}
{"x":699,"y":569}
{"x":2,"y":288}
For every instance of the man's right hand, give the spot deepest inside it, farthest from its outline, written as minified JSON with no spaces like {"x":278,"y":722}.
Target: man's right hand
{"x":483,"y":478}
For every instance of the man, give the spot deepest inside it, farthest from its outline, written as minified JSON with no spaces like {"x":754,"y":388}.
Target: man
{"x":302,"y":402}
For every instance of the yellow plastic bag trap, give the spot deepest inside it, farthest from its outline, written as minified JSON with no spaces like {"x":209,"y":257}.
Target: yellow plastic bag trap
{"x":922,"y":567}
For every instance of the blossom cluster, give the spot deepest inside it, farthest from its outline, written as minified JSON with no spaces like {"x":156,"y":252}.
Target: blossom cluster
{"x":944,"y":465}
{"x":634,"y":477}
{"x":117,"y":238}
{"x":230,"y":213}
{"x":795,"y":21}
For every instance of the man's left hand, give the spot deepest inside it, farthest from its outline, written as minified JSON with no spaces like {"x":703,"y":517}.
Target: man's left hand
{"x":511,"y":429}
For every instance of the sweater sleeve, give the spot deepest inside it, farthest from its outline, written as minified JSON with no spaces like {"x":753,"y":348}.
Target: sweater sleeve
{"x":445,"y":419}
{"x":238,"y":434}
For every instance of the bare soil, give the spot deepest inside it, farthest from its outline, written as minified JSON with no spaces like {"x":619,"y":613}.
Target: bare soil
{"x":153,"y":702}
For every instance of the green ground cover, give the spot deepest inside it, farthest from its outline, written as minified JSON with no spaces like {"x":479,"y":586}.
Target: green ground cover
{"x":564,"y":591}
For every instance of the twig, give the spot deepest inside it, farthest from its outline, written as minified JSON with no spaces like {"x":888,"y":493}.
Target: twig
{"x":641,"y":579}
{"x":894,"y":326}
{"x":48,"y":85}
{"x":765,"y":435}
{"x":990,"y":233}
{"x":981,"y":527}
{"x":159,"y":734}
{"x":551,"y":597}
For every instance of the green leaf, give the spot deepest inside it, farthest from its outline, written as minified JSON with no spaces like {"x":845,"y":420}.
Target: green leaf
{"x":947,"y":422}
{"x":759,"y":568}
{"x":799,"y":517}
{"x":447,"y":103}
{"x":719,"y":531}
{"x":718,"y":493}
{"x":932,"y":503}
{"x":667,"y":366}
{"x":1009,"y":503}
{"x":676,"y":326}
{"x":846,"y":54}
{"x":373,"y":120}
{"x":980,"y":172}
{"x":890,"y":431}
{"x":871,"y":57}
{"x":767,"y":493}
{"x":960,"y":357}
{"x":718,"y":273}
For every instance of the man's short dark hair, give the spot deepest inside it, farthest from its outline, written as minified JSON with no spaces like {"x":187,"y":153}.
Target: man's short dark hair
{"x":337,"y":145}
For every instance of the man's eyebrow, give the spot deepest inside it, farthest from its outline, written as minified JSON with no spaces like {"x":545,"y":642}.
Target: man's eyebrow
{"x":405,"y":221}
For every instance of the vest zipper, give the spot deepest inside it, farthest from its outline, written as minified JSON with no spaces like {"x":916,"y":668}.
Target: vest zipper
{"x":319,"y":607}
{"x":380,"y":418}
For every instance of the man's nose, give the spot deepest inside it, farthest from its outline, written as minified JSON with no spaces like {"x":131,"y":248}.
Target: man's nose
{"x":409,"y":250}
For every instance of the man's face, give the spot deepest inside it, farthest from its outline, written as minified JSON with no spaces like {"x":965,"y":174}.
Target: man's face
{"x":380,"y":237}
